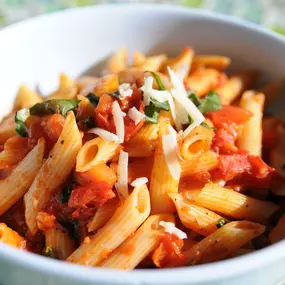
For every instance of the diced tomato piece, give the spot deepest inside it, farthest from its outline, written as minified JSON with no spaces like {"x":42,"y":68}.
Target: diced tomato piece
{"x":95,"y":194}
{"x":225,"y":139}
{"x":49,"y":127}
{"x":131,"y":129}
{"x":230,"y":166}
{"x":169,"y":252}
{"x":228,"y":115}
{"x":259,"y":168}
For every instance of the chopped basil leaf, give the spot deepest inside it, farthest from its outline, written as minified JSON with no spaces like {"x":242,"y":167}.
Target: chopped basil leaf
{"x":195,"y":99}
{"x":115,"y":94}
{"x":210,"y":103}
{"x":72,"y":228}
{"x":88,"y":123}
{"x":66,"y":192}
{"x":94,"y":99}
{"x":151,"y":113}
{"x":220,"y":223}
{"x":158,"y":80}
{"x":160,"y":105}
{"x":48,"y":252}
{"x":60,"y":106}
{"x":20,"y":118}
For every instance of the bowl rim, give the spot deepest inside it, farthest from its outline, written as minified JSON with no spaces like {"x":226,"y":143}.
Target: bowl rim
{"x":206,"y":272}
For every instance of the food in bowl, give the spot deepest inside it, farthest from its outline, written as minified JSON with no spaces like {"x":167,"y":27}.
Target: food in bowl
{"x":163,"y":163}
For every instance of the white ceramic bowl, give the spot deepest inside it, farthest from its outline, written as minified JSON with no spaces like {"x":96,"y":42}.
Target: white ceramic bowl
{"x":72,"y":41}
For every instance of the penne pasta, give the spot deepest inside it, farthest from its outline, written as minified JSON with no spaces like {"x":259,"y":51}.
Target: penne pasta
{"x":18,"y":182}
{"x":139,"y":246}
{"x":26,"y":98}
{"x":250,"y":138}
{"x":161,"y":182}
{"x":272,"y":91}
{"x":11,"y":237}
{"x":146,"y":139}
{"x":211,"y":61}
{"x":63,"y":156}
{"x":278,"y":232}
{"x":153,"y":63}
{"x":203,"y":81}
{"x":182,"y":63}
{"x":56,"y":237}
{"x":223,"y":242}
{"x":234,"y":204}
{"x":197,"y":142}
{"x":118,"y":61}
{"x":95,"y":152}
{"x":195,"y":218}
{"x":81,"y":173}
{"x":127,"y":218}
{"x":205,"y":162}
{"x":138,"y":58}
{"x":67,"y":88}
{"x":7,"y":129}
{"x":103,"y":215}
{"x":238,"y":83}
{"x":15,"y":149}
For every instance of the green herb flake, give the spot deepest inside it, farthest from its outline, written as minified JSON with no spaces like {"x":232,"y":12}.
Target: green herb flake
{"x":210,"y":103}
{"x":115,"y":94}
{"x":48,"y":252}
{"x":88,"y":123}
{"x":158,"y":80}
{"x":195,"y":99}
{"x":94,"y":99}
{"x":160,"y":105}
{"x":66,"y":192}
{"x":60,"y":106}
{"x":20,"y":118}
{"x":220,"y":223}
{"x":151,"y":113}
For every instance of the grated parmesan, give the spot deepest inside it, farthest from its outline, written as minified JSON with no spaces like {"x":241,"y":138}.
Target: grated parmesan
{"x":119,"y":121}
{"x":171,"y":229}
{"x":180,"y":95}
{"x":122,"y":183}
{"x":135,"y":115}
{"x":125,"y":90}
{"x":139,"y":182}
{"x":104,"y":135}
{"x":169,"y":146}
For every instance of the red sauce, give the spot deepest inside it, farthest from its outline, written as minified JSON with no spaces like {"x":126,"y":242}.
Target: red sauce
{"x":95,"y":194}
{"x":169,"y":252}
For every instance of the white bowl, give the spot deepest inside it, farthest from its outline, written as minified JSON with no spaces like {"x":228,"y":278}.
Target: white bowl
{"x":35,"y":51}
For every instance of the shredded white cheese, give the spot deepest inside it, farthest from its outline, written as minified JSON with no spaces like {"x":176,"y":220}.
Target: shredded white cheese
{"x":169,"y":146}
{"x":180,"y":95}
{"x":147,"y":89}
{"x":122,"y":184}
{"x":139,"y":182}
{"x":119,"y":121}
{"x":171,"y":229}
{"x":159,"y":95}
{"x":125,"y":90}
{"x":182,"y":71}
{"x":135,"y":115}
{"x":172,"y":106}
{"x":104,"y":135}
{"x":175,"y":137}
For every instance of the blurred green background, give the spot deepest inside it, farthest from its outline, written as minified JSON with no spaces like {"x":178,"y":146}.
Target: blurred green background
{"x":269,"y":13}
